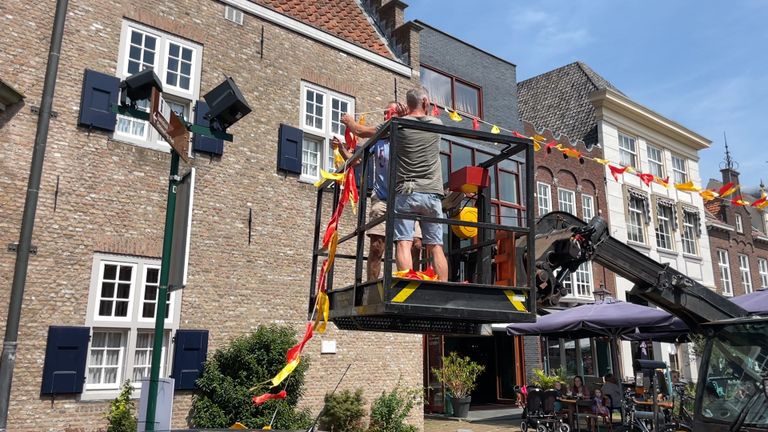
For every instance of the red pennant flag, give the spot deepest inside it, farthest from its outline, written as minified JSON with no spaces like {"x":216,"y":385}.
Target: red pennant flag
{"x":760,"y":202}
{"x":727,"y":189}
{"x":435,"y":111}
{"x":616,"y":171}
{"x":739,"y":201}
{"x":259,"y":400}
{"x":518,"y":135}
{"x":350,"y":138}
{"x":294,"y":352}
{"x":647,"y":178}
{"x":475,"y":124}
{"x":550,"y":145}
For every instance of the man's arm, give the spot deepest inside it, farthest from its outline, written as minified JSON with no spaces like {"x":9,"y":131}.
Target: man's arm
{"x":343,"y":150}
{"x":360,"y":130}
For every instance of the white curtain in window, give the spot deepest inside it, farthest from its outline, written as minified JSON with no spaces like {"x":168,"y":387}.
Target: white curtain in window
{"x":438,"y":86}
{"x":467,"y":99}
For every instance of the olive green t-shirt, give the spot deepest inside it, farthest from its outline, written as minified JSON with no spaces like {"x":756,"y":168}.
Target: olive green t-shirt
{"x":418,"y":158}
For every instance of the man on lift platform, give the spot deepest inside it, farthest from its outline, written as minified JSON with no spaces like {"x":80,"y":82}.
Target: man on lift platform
{"x":419,"y":185}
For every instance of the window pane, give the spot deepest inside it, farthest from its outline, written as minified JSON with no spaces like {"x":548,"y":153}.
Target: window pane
{"x":544,"y":195}
{"x":104,"y":359}
{"x":508,"y":187}
{"x":467,"y":99}
{"x":314,"y":108}
{"x":460,"y":157}
{"x":664,"y":227}
{"x":338,"y":108}
{"x":438,"y":86}
{"x":587,"y":207}
{"x":627,"y":152}
{"x":566,"y":201}
{"x":116,"y":284}
{"x":445,"y":163}
{"x":635,"y":220}
{"x":655,"y":164}
{"x":310,"y":157}
{"x":141,"y":52}
{"x":179,"y":67}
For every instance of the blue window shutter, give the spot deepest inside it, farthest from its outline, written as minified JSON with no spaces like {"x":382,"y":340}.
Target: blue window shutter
{"x":65,"y":354}
{"x":201,"y":143}
{"x":100,"y":92}
{"x":289,"y":149}
{"x":189,"y":353}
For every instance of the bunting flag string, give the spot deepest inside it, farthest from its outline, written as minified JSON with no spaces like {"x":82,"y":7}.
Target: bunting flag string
{"x":616,"y":169}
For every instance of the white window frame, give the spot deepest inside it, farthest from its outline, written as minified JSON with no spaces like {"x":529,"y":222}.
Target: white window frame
{"x":739,"y":224}
{"x":129,"y":327}
{"x":632,"y":214}
{"x":566,"y":192}
{"x":322,"y":135}
{"x":762,"y":267}
{"x":587,"y":202}
{"x":151,"y":138}
{"x":664,"y":234}
{"x":544,"y":197}
{"x":628,"y":150}
{"x":680,"y":174}
{"x":688,"y":234}
{"x":131,"y":293}
{"x":233,"y":14}
{"x":120,"y":359}
{"x":581,"y":283}
{"x":723,"y":263}
{"x":655,"y":161}
{"x":746,"y":275}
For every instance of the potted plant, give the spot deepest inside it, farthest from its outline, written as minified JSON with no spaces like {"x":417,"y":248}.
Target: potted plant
{"x":459,"y":375}
{"x":544,"y":381}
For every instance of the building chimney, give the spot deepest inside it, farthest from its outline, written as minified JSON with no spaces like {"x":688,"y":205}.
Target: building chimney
{"x":391,"y":16}
{"x":405,"y":40}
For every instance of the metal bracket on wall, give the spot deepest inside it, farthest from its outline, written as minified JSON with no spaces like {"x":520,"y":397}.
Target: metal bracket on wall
{"x":14,"y":247}
{"x":36,"y":110}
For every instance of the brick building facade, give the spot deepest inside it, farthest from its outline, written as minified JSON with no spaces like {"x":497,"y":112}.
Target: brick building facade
{"x":102,"y":198}
{"x":738,"y":240}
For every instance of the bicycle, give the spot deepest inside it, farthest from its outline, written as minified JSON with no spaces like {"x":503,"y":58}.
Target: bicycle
{"x":680,"y":422}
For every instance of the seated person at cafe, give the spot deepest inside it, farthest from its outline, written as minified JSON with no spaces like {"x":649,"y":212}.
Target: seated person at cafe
{"x":578,"y":389}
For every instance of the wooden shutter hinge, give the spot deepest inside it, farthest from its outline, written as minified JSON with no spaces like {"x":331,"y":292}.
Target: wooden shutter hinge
{"x":14,"y":247}
{"x":36,"y":110}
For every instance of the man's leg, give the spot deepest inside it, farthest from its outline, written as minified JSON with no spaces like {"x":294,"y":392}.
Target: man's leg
{"x":418,"y":260}
{"x":403,"y":255}
{"x":441,"y":264}
{"x":374,"y":256}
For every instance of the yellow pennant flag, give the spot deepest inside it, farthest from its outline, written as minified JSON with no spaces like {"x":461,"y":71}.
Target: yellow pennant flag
{"x":325,"y":175}
{"x":323,"y":309}
{"x":332,"y":250}
{"x":283,"y":374}
{"x":338,"y":160}
{"x":453,"y":115}
{"x":238,"y":425}
{"x":536,"y":146}
{"x":495,"y":130}
{"x":361,"y":122}
{"x":708,"y":195}
{"x":601,"y":161}
{"x":538,"y":138}
{"x":631,"y":169}
{"x":687,"y":187}
{"x":763,"y":205}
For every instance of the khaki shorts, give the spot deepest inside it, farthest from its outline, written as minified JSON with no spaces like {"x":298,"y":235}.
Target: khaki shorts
{"x":379,"y":209}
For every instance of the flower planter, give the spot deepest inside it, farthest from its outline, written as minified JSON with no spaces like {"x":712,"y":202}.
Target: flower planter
{"x":461,"y":406}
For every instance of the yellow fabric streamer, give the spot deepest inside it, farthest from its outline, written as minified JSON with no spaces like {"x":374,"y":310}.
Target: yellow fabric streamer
{"x":283,"y":374}
{"x":323,"y":310}
{"x":601,"y":161}
{"x":495,"y":130}
{"x":453,"y":115}
{"x":338,"y":160}
{"x":708,"y":195}
{"x":332,"y":250}
{"x":325,"y":175}
{"x":730,"y":191}
{"x":687,"y":187}
{"x":536,"y":146}
{"x":361,"y":122}
{"x":763,"y":205}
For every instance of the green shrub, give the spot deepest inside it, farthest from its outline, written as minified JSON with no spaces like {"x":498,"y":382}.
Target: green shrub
{"x":343,"y":412}
{"x":121,"y":418}
{"x":389,"y":411}
{"x":224,"y":387}
{"x":546,"y":381}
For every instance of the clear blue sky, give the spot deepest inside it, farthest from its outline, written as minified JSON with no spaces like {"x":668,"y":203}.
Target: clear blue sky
{"x":702,"y":63}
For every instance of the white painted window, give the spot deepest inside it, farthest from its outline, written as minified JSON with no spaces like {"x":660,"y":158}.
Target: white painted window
{"x":663,"y":227}
{"x":544,"y":196}
{"x":725,"y":271}
{"x":627,"y":150}
{"x":739,"y":224}
{"x":580,"y":283}
{"x":122,"y":305}
{"x":635,"y":230}
{"x":655,"y":161}
{"x":175,"y":61}
{"x":587,"y":207}
{"x":321,"y":111}
{"x":566,"y":201}
{"x":746,"y":276}
{"x":233,"y":14}
{"x":762,"y":266}
{"x":679,"y":170}
{"x":688,"y":234}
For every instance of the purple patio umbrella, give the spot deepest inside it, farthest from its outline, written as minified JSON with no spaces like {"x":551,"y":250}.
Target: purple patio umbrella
{"x":755,"y":303}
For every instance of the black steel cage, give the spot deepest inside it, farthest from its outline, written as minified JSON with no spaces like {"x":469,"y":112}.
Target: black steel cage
{"x":394,"y":304}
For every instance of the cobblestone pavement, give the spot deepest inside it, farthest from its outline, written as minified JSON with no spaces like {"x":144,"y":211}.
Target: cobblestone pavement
{"x":438,"y":425}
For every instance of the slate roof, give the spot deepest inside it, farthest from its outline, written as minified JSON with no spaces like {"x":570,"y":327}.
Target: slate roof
{"x":755,"y":215}
{"x":559,"y":100}
{"x":341,"y":18}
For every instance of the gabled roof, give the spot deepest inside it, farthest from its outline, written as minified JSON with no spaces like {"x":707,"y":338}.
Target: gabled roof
{"x":559,"y":100}
{"x":344,"y":19}
{"x":754,"y":214}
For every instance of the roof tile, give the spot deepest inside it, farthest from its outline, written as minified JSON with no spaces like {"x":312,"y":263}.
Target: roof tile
{"x":341,"y":18}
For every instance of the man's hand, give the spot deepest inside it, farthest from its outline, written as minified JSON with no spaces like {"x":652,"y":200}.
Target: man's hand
{"x":335,"y":143}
